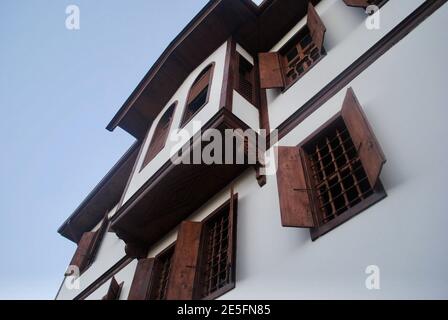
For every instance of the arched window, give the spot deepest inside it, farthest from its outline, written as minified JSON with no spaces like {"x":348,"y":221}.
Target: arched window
{"x":199,"y":94}
{"x":160,"y":134}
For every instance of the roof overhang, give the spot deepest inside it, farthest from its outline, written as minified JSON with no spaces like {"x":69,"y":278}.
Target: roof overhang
{"x":256,"y":28}
{"x":175,"y":191}
{"x":102,"y":199}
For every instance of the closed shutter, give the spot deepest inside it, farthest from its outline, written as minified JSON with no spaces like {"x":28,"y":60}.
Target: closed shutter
{"x":370,"y":152}
{"x":295,"y":207}
{"x":141,"y":283}
{"x":231,"y":252}
{"x":82,"y":255}
{"x":316,"y":27}
{"x":200,"y":85}
{"x":270,"y":70}
{"x":357,"y":3}
{"x":113,"y":293}
{"x":185,"y":262}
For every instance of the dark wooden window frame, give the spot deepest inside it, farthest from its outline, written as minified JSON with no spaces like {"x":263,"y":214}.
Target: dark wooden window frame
{"x":151,"y":153}
{"x":360,"y":4}
{"x":155,"y":274}
{"x":294,"y":42}
{"x":378,"y":194}
{"x":185,"y":119}
{"x":233,"y":234}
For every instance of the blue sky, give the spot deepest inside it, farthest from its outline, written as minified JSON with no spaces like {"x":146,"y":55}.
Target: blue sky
{"x":58,"y":91}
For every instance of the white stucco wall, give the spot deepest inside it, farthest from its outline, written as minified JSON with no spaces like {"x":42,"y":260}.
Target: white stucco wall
{"x":346,"y":39}
{"x":403,"y":234}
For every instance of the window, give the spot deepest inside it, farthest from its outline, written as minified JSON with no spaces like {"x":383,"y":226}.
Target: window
{"x":333,"y":175}
{"x":216,"y":270}
{"x":88,"y":247}
{"x":198,"y":95}
{"x":299,"y":56}
{"x":282,"y":69}
{"x":160,"y":135}
{"x":162,"y":269}
{"x":203,"y":264}
{"x":245,"y":79}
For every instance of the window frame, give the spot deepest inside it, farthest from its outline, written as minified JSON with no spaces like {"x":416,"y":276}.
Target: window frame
{"x":293,"y":42}
{"x":379,"y":193}
{"x":202,"y":250}
{"x":185,"y":119}
{"x":156,"y":273}
{"x":238,"y":58}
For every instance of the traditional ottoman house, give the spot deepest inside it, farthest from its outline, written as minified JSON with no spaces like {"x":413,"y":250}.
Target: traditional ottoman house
{"x":344,"y":88}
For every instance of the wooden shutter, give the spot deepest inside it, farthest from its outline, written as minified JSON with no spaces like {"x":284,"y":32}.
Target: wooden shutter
{"x":200,"y":84}
{"x":357,"y":3}
{"x":316,"y":26}
{"x":185,"y":262}
{"x":231,"y":252}
{"x":370,"y":152}
{"x":113,"y":293}
{"x":293,"y":194}
{"x":270,"y":70}
{"x":82,"y":254}
{"x":141,"y":283}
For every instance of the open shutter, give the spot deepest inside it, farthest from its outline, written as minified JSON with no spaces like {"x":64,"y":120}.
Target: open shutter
{"x":83,"y":252}
{"x":370,"y":152}
{"x":185,"y":262}
{"x":270,"y":70}
{"x":141,"y":283}
{"x":293,"y":194}
{"x":316,"y":26}
{"x":113,"y":293}
{"x":357,"y":3}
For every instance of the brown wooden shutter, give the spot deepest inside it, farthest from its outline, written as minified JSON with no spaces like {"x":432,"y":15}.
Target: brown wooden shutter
{"x":141,"y":284}
{"x":113,"y":293}
{"x":82,"y":254}
{"x":231,"y":252}
{"x":370,"y":152}
{"x":270,"y":70}
{"x":357,"y":3}
{"x":316,"y":26}
{"x":293,"y":191}
{"x":200,"y":85}
{"x":185,"y":262}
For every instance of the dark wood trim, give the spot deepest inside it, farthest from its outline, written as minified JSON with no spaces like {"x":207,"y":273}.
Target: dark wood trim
{"x":229,"y":76}
{"x":184,"y":121}
{"x":361,"y":64}
{"x":262,"y":102}
{"x":123,"y":262}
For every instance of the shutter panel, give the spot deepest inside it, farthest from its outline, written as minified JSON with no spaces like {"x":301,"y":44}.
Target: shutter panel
{"x":357,"y":3}
{"x":370,"y":152}
{"x":232,"y":233}
{"x":295,"y":205}
{"x":316,"y":26}
{"x":200,"y":85}
{"x":185,"y":261}
{"x":83,"y":252}
{"x":270,"y":70}
{"x":141,"y":283}
{"x":113,"y":293}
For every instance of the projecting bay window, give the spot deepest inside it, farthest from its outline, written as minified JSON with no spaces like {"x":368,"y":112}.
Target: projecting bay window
{"x":333,"y":175}
{"x":302,"y":52}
